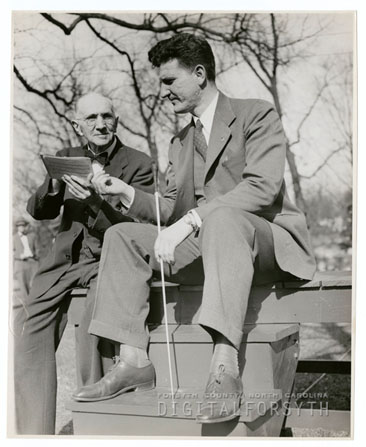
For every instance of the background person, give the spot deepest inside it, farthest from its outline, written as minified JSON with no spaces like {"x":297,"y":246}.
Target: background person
{"x":25,"y":252}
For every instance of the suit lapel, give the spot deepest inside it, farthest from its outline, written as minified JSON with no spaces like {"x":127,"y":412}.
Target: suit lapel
{"x":221,"y":132}
{"x":118,"y":161}
{"x":185,"y":172}
{"x":184,"y":175}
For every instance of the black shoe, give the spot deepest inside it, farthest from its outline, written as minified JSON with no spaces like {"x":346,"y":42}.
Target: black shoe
{"x":121,"y":378}
{"x":221,"y":399}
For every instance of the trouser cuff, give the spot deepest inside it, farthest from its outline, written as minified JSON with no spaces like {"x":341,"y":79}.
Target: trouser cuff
{"x":215,"y":321}
{"x":139,"y":340}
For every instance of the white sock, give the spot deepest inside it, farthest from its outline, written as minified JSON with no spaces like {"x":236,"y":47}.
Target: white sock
{"x":134,"y":356}
{"x":225,"y":354}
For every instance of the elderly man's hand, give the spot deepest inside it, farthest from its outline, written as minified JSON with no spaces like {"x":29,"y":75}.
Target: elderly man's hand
{"x":169,"y":239}
{"x":79,"y":187}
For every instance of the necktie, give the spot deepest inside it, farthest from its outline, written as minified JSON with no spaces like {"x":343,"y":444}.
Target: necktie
{"x":200,"y":140}
{"x":100,"y":158}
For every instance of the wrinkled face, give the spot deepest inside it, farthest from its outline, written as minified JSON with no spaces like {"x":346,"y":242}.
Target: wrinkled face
{"x":181,"y":86}
{"x":96,"y":121}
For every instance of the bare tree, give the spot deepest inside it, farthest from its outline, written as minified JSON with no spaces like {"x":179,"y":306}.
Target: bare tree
{"x":269,"y":44}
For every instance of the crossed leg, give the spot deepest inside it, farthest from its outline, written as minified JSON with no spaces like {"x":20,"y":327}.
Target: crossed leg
{"x":235,"y":248}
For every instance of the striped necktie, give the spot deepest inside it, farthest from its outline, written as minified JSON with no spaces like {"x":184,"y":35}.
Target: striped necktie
{"x":200,"y":140}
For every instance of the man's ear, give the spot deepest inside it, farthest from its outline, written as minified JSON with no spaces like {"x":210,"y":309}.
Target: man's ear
{"x":200,"y":73}
{"x":116,"y":123}
{"x":77,"y":128}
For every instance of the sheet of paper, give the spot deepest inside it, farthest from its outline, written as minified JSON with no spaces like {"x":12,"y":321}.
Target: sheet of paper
{"x":59,"y":166}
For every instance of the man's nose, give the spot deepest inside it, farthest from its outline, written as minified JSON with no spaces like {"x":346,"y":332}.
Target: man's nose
{"x":164,"y":91}
{"x":100,"y":123}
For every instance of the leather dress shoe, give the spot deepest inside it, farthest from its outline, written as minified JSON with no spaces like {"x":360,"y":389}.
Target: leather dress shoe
{"x":120,"y":378}
{"x":221,"y":399}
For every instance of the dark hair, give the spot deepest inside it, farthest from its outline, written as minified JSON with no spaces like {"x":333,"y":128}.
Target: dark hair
{"x":188,"y":49}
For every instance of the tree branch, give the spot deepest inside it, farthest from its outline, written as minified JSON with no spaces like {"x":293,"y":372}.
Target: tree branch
{"x":41,"y":94}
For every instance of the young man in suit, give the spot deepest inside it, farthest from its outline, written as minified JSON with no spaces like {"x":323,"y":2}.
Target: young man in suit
{"x":73,"y":261}
{"x":225,"y":206}
{"x":25,"y":253}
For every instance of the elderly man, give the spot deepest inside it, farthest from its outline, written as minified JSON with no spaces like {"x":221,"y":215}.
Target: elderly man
{"x":73,"y":261}
{"x":225,"y":205}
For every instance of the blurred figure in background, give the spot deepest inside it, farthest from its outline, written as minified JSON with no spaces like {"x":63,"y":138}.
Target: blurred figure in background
{"x":25,"y":251}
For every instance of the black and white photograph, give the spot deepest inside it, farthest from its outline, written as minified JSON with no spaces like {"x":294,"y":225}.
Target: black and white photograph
{"x":182,"y":224}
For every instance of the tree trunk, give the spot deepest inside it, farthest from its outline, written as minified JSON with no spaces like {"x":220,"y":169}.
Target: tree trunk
{"x":290,"y":157}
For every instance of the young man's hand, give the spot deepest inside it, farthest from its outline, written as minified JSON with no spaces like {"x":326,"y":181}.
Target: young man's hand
{"x":169,"y":239}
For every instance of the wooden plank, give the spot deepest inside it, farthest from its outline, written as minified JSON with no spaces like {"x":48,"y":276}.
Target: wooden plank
{"x":187,"y":403}
{"x":265,"y":306}
{"x":262,"y":333}
{"x":89,"y":424}
{"x":129,"y":425}
{"x":322,"y":279}
{"x":157,"y":334}
{"x":159,"y":356}
{"x":335,"y":280}
{"x":300,"y":306}
{"x":81,"y":292}
{"x":329,"y":420}
{"x":301,"y":284}
{"x":192,"y":362}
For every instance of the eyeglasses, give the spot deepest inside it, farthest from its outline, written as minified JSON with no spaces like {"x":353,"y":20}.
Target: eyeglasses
{"x":92,"y":120}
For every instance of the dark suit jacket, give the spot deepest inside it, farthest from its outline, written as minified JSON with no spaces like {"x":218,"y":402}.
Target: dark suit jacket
{"x":244,"y":169}
{"x":18,"y":248}
{"x":130,"y":165}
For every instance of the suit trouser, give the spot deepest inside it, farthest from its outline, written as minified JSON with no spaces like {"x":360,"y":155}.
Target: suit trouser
{"x":39,"y":322}
{"x":234,"y":247}
{"x":24,"y":271}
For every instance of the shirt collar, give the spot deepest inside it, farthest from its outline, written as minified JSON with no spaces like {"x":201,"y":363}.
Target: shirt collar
{"x":207,"y":116}
{"x":109,"y":149}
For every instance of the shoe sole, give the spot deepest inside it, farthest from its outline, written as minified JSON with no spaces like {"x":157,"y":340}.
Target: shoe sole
{"x":137,"y":388}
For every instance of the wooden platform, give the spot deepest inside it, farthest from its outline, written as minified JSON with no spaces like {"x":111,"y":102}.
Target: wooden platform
{"x":270,"y":352}
{"x":325,"y":299}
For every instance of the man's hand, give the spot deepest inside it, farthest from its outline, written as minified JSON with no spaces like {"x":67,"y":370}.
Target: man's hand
{"x":103,"y":183}
{"x":79,"y":187}
{"x":169,"y":239}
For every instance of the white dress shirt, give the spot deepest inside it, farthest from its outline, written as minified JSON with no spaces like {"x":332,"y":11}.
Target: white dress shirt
{"x":207,"y":118}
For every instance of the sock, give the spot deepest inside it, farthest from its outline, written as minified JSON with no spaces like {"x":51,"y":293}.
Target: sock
{"x":225,"y":354}
{"x":134,"y":356}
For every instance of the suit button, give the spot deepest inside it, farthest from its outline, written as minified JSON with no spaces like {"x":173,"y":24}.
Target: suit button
{"x":68,"y":257}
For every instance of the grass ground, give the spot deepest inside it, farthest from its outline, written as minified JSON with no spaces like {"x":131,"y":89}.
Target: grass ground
{"x":325,"y":341}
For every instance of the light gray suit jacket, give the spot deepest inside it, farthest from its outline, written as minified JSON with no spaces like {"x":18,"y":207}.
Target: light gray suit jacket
{"x":244,"y":169}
